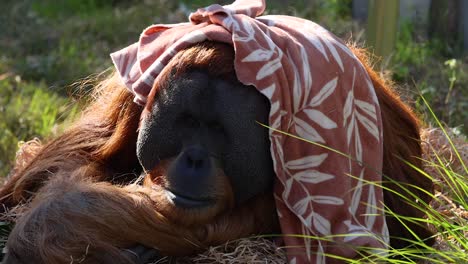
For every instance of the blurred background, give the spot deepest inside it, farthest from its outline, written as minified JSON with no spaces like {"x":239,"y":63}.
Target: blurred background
{"x":53,"y":51}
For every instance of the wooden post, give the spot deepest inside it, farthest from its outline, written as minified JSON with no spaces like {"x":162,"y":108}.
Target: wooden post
{"x":464,"y":23}
{"x":382,"y":25}
{"x":360,"y":10}
{"x":444,"y":23}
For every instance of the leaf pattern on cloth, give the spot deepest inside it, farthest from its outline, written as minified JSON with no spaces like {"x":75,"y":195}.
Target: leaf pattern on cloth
{"x":318,"y":91}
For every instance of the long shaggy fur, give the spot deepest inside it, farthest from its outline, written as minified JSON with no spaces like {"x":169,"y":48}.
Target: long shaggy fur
{"x":82,"y":205}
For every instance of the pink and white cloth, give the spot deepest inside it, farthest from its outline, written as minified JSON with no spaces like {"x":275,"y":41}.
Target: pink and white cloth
{"x":319,"y":91}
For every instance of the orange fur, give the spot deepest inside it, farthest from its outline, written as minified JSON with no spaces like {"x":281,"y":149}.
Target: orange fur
{"x":78,"y":210}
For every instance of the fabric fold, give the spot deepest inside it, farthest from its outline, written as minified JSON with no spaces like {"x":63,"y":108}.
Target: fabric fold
{"x":319,"y":92}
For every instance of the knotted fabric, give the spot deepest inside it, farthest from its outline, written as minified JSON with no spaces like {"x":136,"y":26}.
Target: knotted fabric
{"x":328,"y":196}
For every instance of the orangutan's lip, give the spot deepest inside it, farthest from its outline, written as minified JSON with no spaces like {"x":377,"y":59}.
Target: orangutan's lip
{"x":188,"y":202}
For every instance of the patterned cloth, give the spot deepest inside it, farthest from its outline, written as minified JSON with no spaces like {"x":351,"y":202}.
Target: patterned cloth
{"x":320,"y":92}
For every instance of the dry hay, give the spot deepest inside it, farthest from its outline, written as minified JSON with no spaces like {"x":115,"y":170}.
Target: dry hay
{"x":253,"y":250}
{"x":438,"y":153}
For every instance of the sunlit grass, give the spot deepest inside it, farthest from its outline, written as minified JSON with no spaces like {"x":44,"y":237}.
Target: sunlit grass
{"x":28,"y":110}
{"x":451,"y":190}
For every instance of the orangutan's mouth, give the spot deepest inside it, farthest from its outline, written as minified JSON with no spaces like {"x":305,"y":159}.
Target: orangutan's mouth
{"x":187,"y":202}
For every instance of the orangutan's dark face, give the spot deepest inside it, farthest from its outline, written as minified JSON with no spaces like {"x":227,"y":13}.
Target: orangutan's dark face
{"x":205,"y":128}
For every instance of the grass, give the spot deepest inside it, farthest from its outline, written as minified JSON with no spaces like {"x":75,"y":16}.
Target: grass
{"x":445,"y":161}
{"x":48,"y":45}
{"x":28,"y":110}
{"x":440,"y":74}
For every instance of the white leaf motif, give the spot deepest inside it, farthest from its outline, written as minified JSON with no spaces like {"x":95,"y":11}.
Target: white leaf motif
{"x":232,"y":24}
{"x":385,"y":234}
{"x":269,"y":68}
{"x":369,"y":125}
{"x":355,"y":235}
{"x":349,"y":131}
{"x":324,"y":93}
{"x":307,"y":132}
{"x":301,"y":206}
{"x":196,"y":36}
{"x":314,"y":40}
{"x":274,"y":108}
{"x":345,"y":49}
{"x":269,"y":91}
{"x":308,"y":221}
{"x":248,"y":30}
{"x":279,"y":151}
{"x":371,"y":88}
{"x":312,"y":176}
{"x":323,"y":199}
{"x":355,"y":231}
{"x":272,"y":45}
{"x":258,"y":55}
{"x":280,"y":215}
{"x":331,"y":47}
{"x":297,"y":87}
{"x":287,"y":187}
{"x":276,"y":122}
{"x":320,"y":259}
{"x":354,"y":228}
{"x":348,"y":106}
{"x":368,"y":108}
{"x":306,"y":74}
{"x":357,"y":143}
{"x":248,"y":27}
{"x":319,"y":118}
{"x":371,"y":208}
{"x":356,"y":198}
{"x":306,"y":162}
{"x":307,"y":240}
{"x":321,"y":224}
